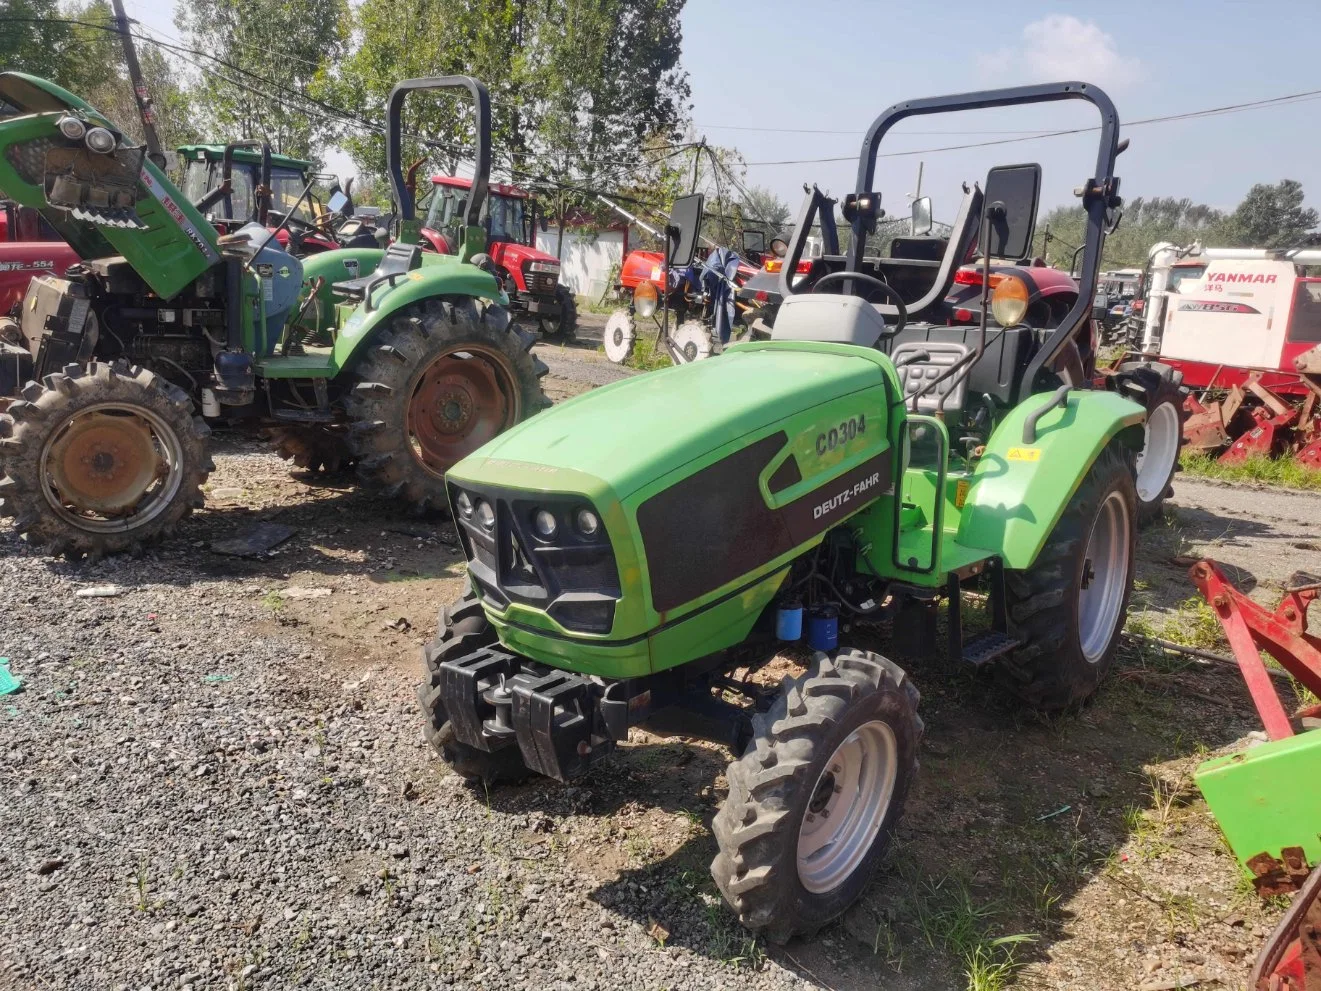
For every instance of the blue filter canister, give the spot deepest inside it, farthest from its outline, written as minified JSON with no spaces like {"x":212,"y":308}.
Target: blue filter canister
{"x":789,"y":621}
{"x":823,"y":629}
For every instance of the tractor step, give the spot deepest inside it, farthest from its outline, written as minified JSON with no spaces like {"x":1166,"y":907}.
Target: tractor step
{"x":986,"y":648}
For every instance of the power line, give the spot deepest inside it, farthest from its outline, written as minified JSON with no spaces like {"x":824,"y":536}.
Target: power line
{"x":1189,"y":115}
{"x":855,"y":133}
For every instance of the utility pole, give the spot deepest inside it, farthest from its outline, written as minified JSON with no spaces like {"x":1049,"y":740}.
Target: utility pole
{"x":140,"y":92}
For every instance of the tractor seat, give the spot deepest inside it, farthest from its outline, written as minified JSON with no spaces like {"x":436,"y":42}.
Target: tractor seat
{"x":396,"y":263}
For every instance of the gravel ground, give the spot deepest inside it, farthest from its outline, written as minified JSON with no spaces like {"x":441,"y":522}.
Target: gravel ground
{"x":191,"y":802}
{"x":215,"y":778}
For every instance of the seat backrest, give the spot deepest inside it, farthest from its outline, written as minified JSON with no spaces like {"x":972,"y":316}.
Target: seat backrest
{"x":399,"y":258}
{"x":828,"y":318}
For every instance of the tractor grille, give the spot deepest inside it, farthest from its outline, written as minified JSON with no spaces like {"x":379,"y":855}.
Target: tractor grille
{"x":29,"y":159}
{"x":542,"y":283}
{"x":572,"y":576}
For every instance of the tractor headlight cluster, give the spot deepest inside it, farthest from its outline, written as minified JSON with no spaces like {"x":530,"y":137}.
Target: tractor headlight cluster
{"x":545,"y":268}
{"x":546,"y":524}
{"x":485,"y":515}
{"x":646,"y":299}
{"x":463,"y":504}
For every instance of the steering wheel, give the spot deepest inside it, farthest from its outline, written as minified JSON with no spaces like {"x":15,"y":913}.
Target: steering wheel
{"x":875,"y":283}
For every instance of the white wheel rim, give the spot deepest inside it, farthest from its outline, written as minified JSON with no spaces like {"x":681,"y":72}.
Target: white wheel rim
{"x":692,"y":342}
{"x":1104,"y":577}
{"x":618,"y":336}
{"x":848,"y":803}
{"x":1160,"y":449}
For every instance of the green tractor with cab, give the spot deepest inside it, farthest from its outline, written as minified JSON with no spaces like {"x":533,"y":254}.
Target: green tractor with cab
{"x":113,"y":373}
{"x":862,"y":466}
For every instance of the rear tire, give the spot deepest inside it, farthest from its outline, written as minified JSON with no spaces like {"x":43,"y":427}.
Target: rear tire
{"x":463,"y":629}
{"x":422,"y":399}
{"x":843,"y":739}
{"x":1068,"y":608}
{"x":100,"y":459}
{"x":1159,"y":388}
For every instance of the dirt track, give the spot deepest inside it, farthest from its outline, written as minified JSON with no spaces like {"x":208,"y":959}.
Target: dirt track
{"x":224,"y":767}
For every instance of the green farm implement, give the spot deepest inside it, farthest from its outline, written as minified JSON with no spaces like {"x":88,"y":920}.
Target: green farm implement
{"x":400,"y":361}
{"x":864,"y":464}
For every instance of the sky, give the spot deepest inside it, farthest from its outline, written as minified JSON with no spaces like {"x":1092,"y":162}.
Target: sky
{"x":766,"y":76}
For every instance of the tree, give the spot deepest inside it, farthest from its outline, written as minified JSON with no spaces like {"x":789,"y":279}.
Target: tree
{"x":1271,"y":217}
{"x":263,"y":52}
{"x":577,"y":87}
{"x":39,"y":37}
{"x":764,"y":211}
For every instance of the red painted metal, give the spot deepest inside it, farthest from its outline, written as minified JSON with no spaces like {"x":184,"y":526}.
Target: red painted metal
{"x":1283,"y":634}
{"x":1262,"y":440}
{"x":1291,"y":958}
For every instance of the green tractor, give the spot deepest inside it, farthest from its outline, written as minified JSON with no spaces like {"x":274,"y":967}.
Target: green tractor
{"x":401,"y":361}
{"x":862,"y":465}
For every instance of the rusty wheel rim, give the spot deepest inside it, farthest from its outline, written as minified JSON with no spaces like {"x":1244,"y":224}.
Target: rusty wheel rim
{"x":462,"y":399}
{"x":111,"y":467}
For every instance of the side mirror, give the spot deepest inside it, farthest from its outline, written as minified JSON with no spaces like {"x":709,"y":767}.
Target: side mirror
{"x":754,"y":242}
{"x":339,"y":203}
{"x":682,"y":231}
{"x":1009,"y":218}
{"x":921,"y":223}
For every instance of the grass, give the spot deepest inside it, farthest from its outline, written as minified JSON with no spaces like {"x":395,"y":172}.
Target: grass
{"x":645,"y":357}
{"x":273,"y":601}
{"x":1286,"y":472}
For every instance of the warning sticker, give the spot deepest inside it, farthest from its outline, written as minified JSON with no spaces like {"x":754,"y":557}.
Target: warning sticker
{"x":1024,"y":454}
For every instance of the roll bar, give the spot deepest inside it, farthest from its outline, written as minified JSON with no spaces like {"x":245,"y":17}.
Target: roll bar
{"x":1099,"y":194}
{"x":393,"y":146}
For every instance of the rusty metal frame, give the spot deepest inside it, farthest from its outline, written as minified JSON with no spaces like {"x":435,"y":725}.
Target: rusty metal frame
{"x":1251,"y":629}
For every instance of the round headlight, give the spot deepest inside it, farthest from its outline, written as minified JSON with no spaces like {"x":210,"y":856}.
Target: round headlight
{"x":544,"y":523}
{"x":464,"y":505}
{"x":645,"y":299}
{"x":72,"y":128}
{"x":100,"y":141}
{"x":1009,"y":301}
{"x":485,"y":515}
{"x":587,"y":522}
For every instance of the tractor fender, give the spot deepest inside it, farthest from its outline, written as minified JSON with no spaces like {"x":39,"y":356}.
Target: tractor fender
{"x":1019,"y":488}
{"x":339,"y":265}
{"x":440,"y":275}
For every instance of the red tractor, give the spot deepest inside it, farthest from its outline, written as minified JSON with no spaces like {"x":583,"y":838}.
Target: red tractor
{"x":531,"y":277}
{"x":28,"y":246}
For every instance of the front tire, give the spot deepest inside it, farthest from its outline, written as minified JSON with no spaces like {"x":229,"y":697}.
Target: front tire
{"x":814,"y":800}
{"x":434,"y":385}
{"x":565,"y":325}
{"x":101,"y":459}
{"x":1068,"y":608}
{"x":1159,"y":388}
{"x":463,"y":629}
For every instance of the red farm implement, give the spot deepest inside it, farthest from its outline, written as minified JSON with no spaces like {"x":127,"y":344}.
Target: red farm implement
{"x":1265,"y":798}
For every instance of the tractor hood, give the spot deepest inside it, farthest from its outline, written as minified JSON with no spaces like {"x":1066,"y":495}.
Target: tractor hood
{"x":627,"y":434}
{"x":512,"y":255}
